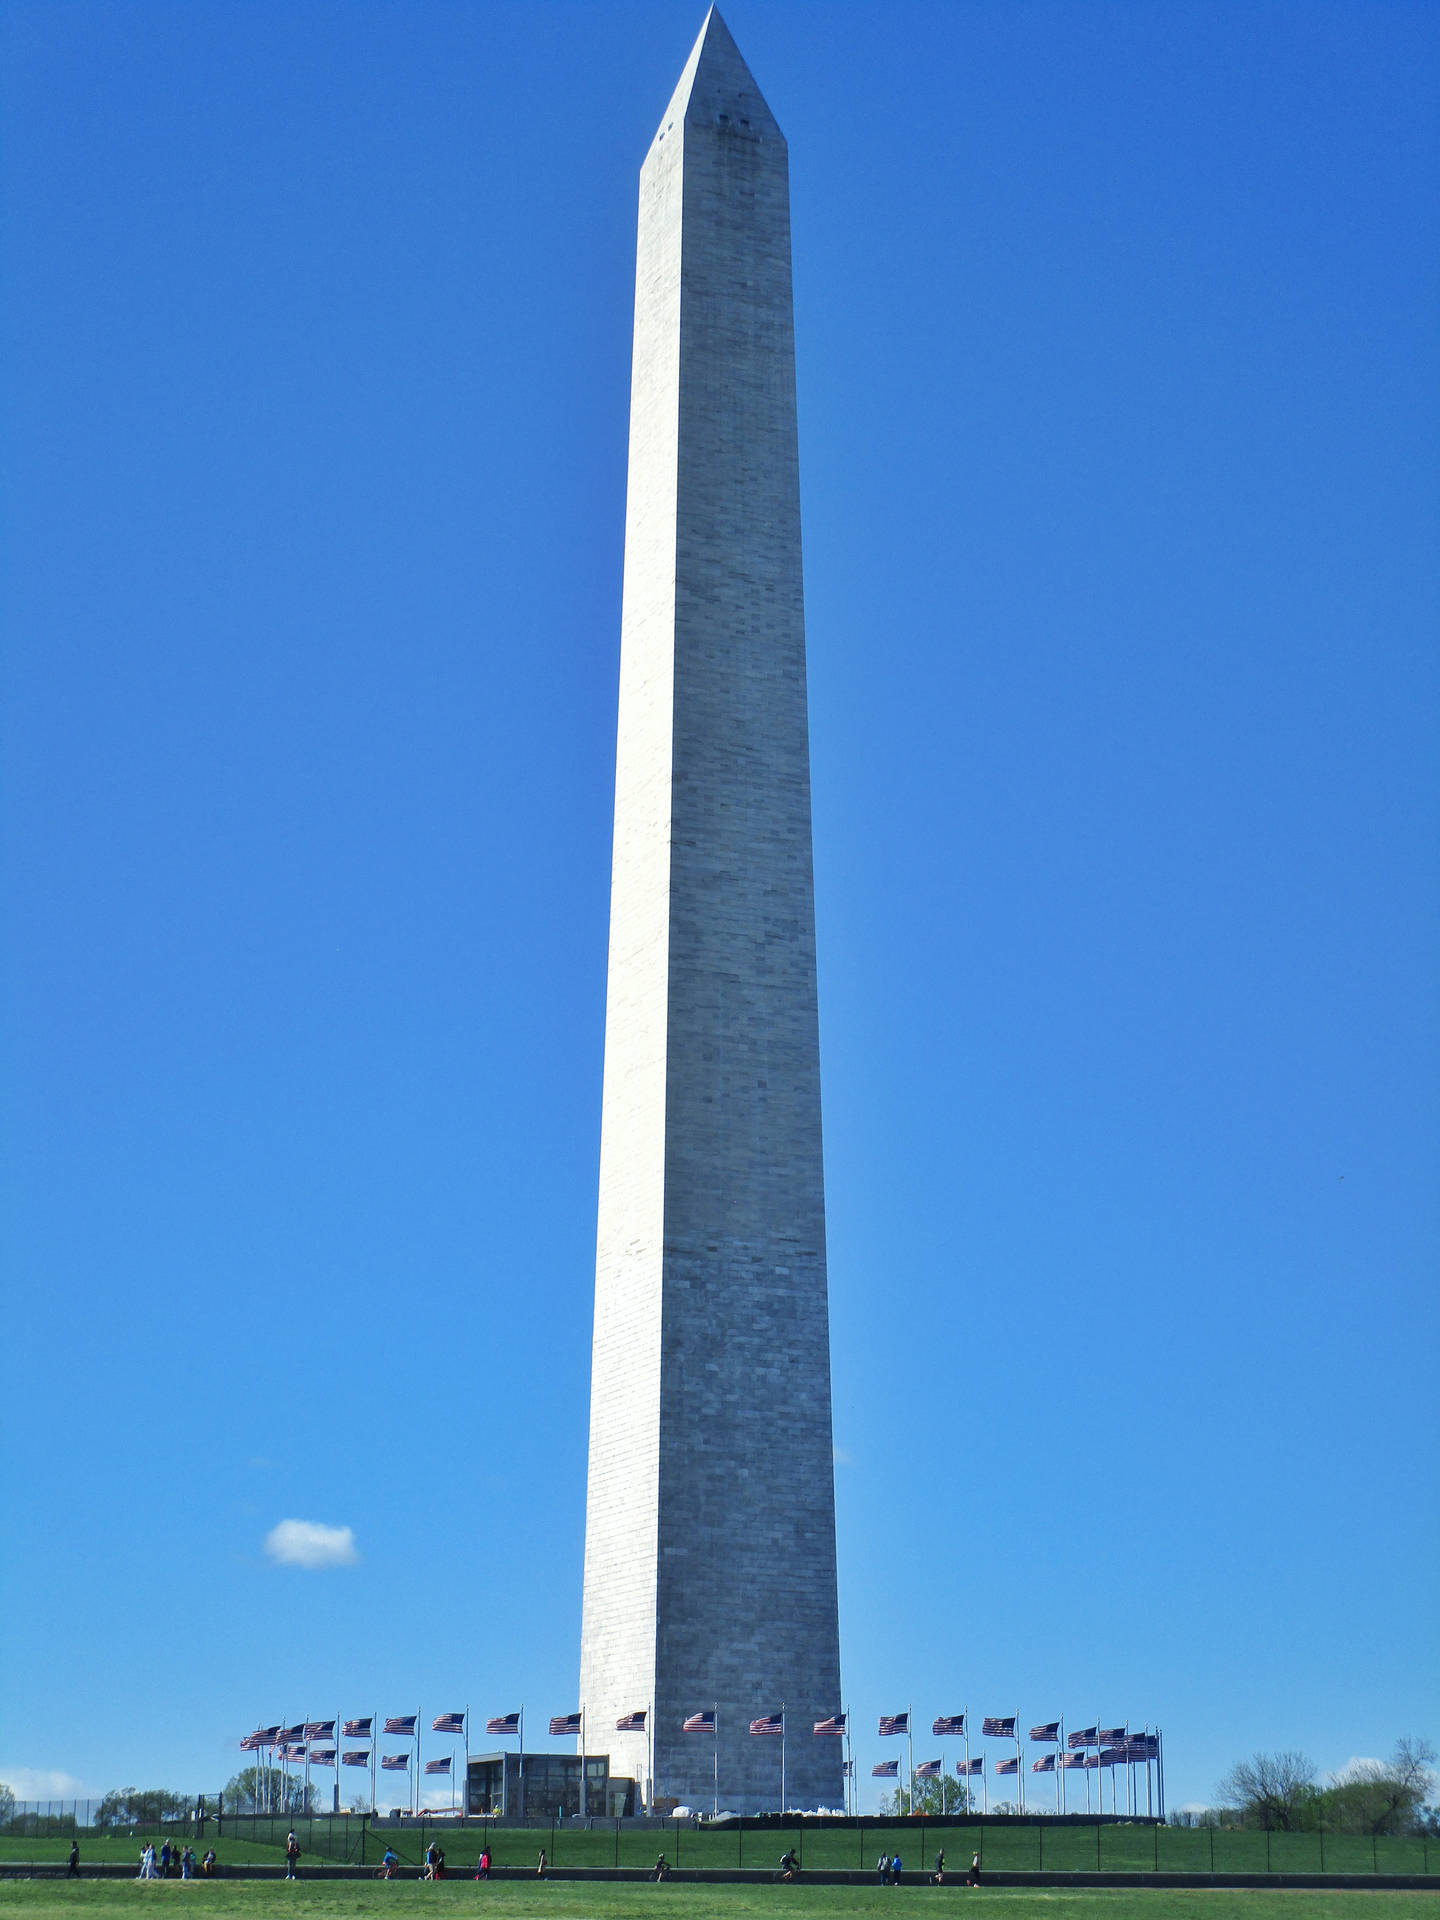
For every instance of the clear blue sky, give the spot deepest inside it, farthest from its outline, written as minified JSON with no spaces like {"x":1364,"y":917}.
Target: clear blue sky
{"x":1116,"y":332}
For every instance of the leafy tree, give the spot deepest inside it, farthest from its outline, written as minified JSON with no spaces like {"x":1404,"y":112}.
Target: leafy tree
{"x":140,"y":1806}
{"x":268,"y":1790}
{"x":7,"y":1804}
{"x":1380,"y":1797}
{"x":936,"y":1797}
{"x":1273,"y":1791}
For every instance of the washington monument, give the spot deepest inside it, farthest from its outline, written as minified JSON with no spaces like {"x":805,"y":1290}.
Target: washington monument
{"x":710,"y":1527}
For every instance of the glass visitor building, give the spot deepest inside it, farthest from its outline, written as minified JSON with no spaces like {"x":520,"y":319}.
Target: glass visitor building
{"x":539,"y":1785}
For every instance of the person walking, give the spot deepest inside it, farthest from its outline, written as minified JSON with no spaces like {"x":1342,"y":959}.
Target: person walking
{"x":541,"y":1865}
{"x":482,"y":1871}
{"x":207,"y":1865}
{"x":974,"y":1875}
{"x":187,"y":1863}
{"x":662,"y":1868}
{"x":72,"y":1871}
{"x":882,"y":1869}
{"x":896,"y":1869}
{"x":147,"y":1861}
{"x":292,"y":1855}
{"x":940,"y":1868}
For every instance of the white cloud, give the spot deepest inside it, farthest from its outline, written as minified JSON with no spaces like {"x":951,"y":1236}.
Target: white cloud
{"x":44,"y":1783}
{"x":306,"y":1543}
{"x":1357,"y":1764}
{"x":841,"y":1457}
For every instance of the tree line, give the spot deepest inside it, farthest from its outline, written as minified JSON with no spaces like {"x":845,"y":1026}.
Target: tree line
{"x":1282,"y":1793}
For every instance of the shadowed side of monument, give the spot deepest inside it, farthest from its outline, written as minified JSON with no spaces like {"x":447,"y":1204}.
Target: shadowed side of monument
{"x":710,"y":1539}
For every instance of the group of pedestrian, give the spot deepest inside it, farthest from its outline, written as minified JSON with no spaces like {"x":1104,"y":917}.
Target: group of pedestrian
{"x":891,"y":1869}
{"x":434,"y":1862}
{"x":171,"y":1863}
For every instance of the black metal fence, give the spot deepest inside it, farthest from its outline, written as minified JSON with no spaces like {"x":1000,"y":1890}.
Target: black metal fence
{"x":1075,"y":1843}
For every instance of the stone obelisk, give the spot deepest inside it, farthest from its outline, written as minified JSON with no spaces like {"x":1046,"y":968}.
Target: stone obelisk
{"x":710,"y":1529}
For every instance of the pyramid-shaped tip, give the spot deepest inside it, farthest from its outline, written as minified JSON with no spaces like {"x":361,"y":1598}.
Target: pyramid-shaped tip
{"x":717,"y":86}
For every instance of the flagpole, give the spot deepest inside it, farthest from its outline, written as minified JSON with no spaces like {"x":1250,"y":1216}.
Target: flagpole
{"x":910,"y":1751}
{"x":584,"y":1773}
{"x":415,"y":1797}
{"x":716,"y":1731}
{"x":782,"y":1756}
{"x":966,"y":1724}
{"x":374,"y":1747}
{"x":1019,"y":1760}
{"x":650,"y":1759}
{"x":1060,"y":1763}
{"x":522,"y":1759}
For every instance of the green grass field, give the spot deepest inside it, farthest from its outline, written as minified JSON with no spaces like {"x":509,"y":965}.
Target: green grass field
{"x":369,"y":1900}
{"x":1019,"y":1848}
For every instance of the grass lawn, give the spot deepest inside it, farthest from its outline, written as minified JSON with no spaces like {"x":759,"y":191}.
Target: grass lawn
{"x":368,"y":1900}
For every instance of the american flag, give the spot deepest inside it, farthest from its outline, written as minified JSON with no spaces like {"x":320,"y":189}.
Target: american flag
{"x":1086,"y":1737}
{"x":894,"y":1723}
{"x":394,"y":1761}
{"x":849,"y":1769}
{"x":768,"y":1723}
{"x":1045,"y":1764}
{"x":998,"y":1729}
{"x":287,"y":1735}
{"x":1092,"y":1760}
{"x":700,"y":1722}
{"x":1072,"y":1760}
{"x":964,"y":1767}
{"x":1113,"y":1756}
{"x":292,"y":1753}
{"x":1111,"y":1736}
{"x":361,"y":1759}
{"x":358,"y":1729}
{"x":563,"y":1725}
{"x":438,"y":1766}
{"x":835,"y":1724}
{"x":1050,"y":1731}
{"x":319,"y":1729}
{"x":405,"y":1723}
{"x":949,"y":1725}
{"x":322,"y":1756}
{"x":253,"y":1741}
{"x":1007,"y":1766}
{"x":632,"y":1722}
{"x":1145,"y":1742}
{"x":504,"y":1724}
{"x":448,"y":1723}
{"x":886,"y":1770}
{"x":929,"y":1768}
